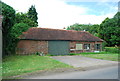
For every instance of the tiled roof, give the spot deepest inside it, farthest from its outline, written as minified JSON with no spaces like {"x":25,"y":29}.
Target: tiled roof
{"x":35,"y":33}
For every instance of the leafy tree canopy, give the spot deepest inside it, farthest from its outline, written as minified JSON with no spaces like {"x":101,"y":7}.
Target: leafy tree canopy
{"x":8,"y":17}
{"x":8,"y":14}
{"x":18,"y":28}
{"x":32,"y":14}
{"x":85,"y":27}
{"x":13,"y":25}
{"x":23,"y":18}
{"x":110,"y":30}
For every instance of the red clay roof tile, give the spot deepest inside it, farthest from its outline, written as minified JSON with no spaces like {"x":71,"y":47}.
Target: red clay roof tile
{"x":35,"y":33}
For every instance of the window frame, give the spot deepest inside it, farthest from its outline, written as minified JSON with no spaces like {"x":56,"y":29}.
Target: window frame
{"x":87,"y":46}
{"x":97,"y":46}
{"x":79,"y":48}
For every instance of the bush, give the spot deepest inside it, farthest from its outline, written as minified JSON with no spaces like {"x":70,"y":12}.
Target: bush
{"x":73,"y":54}
{"x":40,"y":53}
{"x":112,"y":49}
{"x":50,"y":55}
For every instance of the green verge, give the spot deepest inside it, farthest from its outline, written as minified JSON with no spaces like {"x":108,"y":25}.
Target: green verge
{"x":100,"y":55}
{"x":111,"y":57}
{"x":17,"y":65}
{"x":103,"y":56}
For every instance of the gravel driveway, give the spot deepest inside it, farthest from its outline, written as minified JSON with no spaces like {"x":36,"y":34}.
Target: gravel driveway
{"x":80,"y":61}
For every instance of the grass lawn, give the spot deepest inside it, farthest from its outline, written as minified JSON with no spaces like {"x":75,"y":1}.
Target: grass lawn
{"x":16,"y":65}
{"x":102,"y":55}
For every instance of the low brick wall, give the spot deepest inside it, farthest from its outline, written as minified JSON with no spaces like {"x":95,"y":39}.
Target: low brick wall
{"x":31,"y":47}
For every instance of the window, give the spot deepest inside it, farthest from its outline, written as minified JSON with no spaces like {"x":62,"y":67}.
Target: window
{"x":78,"y":46}
{"x":97,"y":46}
{"x":87,"y":46}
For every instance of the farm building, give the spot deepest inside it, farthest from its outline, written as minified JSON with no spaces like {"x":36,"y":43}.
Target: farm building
{"x":57,"y":41}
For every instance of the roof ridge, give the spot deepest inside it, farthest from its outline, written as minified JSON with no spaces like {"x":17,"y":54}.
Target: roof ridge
{"x":56,"y":29}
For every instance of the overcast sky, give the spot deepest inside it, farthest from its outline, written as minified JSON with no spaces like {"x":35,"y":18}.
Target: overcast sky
{"x":62,"y":13}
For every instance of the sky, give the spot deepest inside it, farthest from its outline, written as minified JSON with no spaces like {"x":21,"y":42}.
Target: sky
{"x":63,"y":13}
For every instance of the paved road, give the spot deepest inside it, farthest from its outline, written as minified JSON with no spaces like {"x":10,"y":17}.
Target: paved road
{"x":104,"y":73}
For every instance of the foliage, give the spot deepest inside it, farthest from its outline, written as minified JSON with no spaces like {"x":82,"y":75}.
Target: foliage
{"x":18,"y":28}
{"x":93,"y":29}
{"x":8,"y":17}
{"x":109,"y":30}
{"x":50,"y":55}
{"x":112,"y":49}
{"x":32,"y":14}
{"x":79,"y":27}
{"x":40,"y":53}
{"x":103,"y":45}
{"x":15,"y":32}
{"x":22,"y":23}
{"x":23,"y":18}
{"x":13,"y":25}
{"x":102,"y":52}
{"x":8,"y":21}
{"x":16,"y":65}
{"x":75,"y":26}
{"x":73,"y":54}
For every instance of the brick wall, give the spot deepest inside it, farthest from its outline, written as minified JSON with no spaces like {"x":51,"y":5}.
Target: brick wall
{"x":92,"y":46}
{"x":31,"y":47}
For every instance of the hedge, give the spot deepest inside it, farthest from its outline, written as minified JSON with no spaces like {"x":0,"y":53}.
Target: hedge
{"x":112,"y":49}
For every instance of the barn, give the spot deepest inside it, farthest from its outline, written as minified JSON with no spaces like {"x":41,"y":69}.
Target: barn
{"x":57,"y":41}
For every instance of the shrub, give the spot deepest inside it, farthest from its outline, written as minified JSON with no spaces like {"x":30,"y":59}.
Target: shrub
{"x":40,"y":53}
{"x":112,"y":49}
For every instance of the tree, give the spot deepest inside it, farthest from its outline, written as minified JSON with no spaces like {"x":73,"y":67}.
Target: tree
{"x":23,"y":18}
{"x":13,"y":26}
{"x":32,"y":14}
{"x":109,"y":30}
{"x":17,"y":30}
{"x":115,"y":29}
{"x":102,"y":28}
{"x":79,"y":27}
{"x":8,"y":21}
{"x":75,"y":26}
{"x":93,"y":29}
